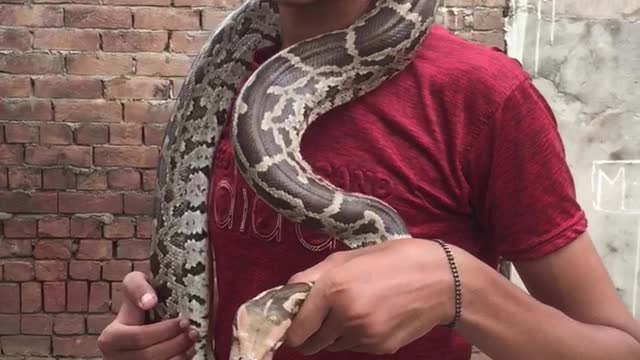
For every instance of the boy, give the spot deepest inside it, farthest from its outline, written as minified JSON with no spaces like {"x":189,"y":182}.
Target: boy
{"x":467,"y":151}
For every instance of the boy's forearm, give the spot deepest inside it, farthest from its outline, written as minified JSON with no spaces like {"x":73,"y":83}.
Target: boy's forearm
{"x":506,"y":323}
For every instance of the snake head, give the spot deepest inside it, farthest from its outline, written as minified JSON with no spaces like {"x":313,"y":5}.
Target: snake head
{"x":262,"y":322}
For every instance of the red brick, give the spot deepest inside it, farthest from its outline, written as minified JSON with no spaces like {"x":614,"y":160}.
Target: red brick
{"x":91,"y":134}
{"x":138,"y":156}
{"x":148,"y":111}
{"x":54,"y":296}
{"x":137,"y":88}
{"x":11,"y":154}
{"x":188,"y":42}
{"x":65,"y":87}
{"x":138,"y":3}
{"x":33,"y":109}
{"x":19,"y":202}
{"x":134,"y":41}
{"x":67,"y":1}
{"x":9,"y":324}
{"x":162,"y":64}
{"x":488,"y":19}
{"x":149,"y":180}
{"x":490,"y":38}
{"x":51,"y":270}
{"x":459,"y":3}
{"x":18,"y":271}
{"x":138,"y":204}
{"x":76,"y":346}
{"x":18,"y":133}
{"x":144,"y":227}
{"x":86,"y":228}
{"x":36,"y":324}
{"x":53,"y":249}
{"x":123,"y":179}
{"x":45,"y":16}
{"x":84,"y":270}
{"x":4,"y":180}
{"x":87,"y":111}
{"x":56,"y":134}
{"x":68,"y":324}
{"x":120,"y":228}
{"x":99,"y":64}
{"x":25,"y":345}
{"x":96,"y":180}
{"x":97,"y":323}
{"x":15,"y":248}
{"x":15,"y":86}
{"x":10,"y":299}
{"x":53,"y":227}
{"x":212,"y":18}
{"x":58,"y":179}
{"x":66,"y":39}
{"x":95,"y":250}
{"x":126,"y":134}
{"x":25,"y":178}
{"x":143,"y":266}
{"x":176,"y":87}
{"x":115,"y":270}
{"x":31,"y":297}
{"x":51,"y":155}
{"x":99,"y":299}
{"x":78,"y":296}
{"x":15,"y":39}
{"x":97,"y":17}
{"x":166,"y":19}
{"x":31,"y":63}
{"x":134,"y":249}
{"x":225,"y":4}
{"x":490,"y":3}
{"x":84,"y":202}
{"x":117,"y":294}
{"x":19,"y":227}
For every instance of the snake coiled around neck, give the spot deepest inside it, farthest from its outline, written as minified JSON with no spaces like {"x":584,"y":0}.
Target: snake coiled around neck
{"x":270,"y":113}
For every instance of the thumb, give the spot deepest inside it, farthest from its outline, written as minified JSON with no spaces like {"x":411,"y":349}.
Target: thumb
{"x":139,"y":297}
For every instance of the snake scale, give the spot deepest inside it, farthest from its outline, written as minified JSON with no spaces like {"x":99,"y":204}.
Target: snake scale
{"x":270,"y":108}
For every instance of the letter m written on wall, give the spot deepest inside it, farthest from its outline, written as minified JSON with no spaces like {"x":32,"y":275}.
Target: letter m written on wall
{"x":616,"y":186}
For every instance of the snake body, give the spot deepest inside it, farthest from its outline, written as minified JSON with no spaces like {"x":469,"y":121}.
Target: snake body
{"x":272,"y":110}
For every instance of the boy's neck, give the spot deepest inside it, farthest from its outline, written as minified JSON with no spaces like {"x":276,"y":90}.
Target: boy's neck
{"x":299,"y":22}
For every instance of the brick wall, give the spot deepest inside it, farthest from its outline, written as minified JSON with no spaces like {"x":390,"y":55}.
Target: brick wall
{"x":86,"y":87}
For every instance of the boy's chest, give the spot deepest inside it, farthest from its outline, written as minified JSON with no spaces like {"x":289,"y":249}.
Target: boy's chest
{"x":358,"y":151}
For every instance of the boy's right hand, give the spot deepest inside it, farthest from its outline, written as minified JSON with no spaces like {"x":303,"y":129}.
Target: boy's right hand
{"x":128,"y":338}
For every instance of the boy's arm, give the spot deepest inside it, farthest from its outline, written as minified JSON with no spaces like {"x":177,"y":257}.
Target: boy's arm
{"x":577,"y":313}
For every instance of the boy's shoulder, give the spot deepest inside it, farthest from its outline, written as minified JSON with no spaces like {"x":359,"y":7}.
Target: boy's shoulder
{"x":455,"y":62}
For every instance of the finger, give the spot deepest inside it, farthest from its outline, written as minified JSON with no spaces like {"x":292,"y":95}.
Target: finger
{"x":140,"y":337}
{"x":140,"y":297}
{"x":327,"y":334}
{"x":343,"y":344}
{"x":310,"y":317}
{"x":165,"y":350}
{"x":139,"y":290}
{"x":186,"y":356}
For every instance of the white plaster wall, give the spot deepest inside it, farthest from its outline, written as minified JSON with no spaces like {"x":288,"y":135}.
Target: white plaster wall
{"x":584,"y":56}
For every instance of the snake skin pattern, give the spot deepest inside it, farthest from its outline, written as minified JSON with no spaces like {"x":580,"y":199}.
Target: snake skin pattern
{"x":272,"y":110}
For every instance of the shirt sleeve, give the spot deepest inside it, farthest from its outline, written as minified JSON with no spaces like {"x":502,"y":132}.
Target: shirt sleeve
{"x":522,"y":188}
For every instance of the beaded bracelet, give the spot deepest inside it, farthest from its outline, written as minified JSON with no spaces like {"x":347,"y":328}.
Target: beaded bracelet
{"x":456,"y":282}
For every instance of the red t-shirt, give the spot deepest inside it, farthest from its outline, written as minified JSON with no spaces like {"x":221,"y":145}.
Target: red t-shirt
{"x":460,"y":143}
